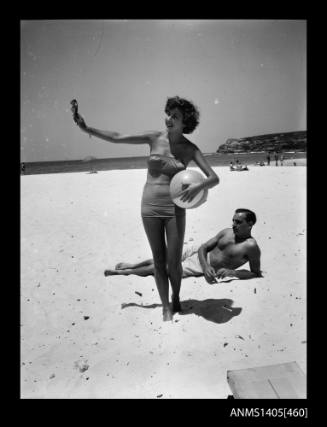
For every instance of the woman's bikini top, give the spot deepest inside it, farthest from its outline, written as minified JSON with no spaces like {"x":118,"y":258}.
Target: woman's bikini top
{"x":160,"y":164}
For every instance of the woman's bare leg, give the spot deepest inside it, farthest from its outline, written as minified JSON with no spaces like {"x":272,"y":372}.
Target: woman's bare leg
{"x":155,"y":231}
{"x":175,"y":229}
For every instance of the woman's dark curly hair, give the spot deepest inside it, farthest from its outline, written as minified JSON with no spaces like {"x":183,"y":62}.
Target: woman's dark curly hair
{"x":190,"y":112}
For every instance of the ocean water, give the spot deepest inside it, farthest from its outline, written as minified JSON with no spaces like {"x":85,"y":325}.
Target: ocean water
{"x":215,"y":159}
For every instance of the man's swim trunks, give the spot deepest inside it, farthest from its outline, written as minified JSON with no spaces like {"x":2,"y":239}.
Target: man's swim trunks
{"x":191,"y":263}
{"x":156,"y":200}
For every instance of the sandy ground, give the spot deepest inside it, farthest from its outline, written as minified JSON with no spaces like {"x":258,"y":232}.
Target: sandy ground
{"x":84,"y":335}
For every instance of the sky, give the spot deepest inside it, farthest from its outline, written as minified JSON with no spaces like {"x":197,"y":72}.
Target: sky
{"x":247,"y":77}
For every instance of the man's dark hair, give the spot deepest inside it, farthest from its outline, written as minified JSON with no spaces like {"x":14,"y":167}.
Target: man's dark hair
{"x":190,"y":112}
{"x":249,"y":215}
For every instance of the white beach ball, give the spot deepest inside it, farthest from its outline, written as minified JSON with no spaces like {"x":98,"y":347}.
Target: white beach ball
{"x":180,"y":181}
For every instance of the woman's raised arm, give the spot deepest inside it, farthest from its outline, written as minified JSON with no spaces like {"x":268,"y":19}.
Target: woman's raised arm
{"x":115,"y":137}
{"x":118,"y":138}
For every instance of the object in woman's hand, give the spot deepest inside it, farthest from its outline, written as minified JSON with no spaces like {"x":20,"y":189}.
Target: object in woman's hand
{"x":74,"y":106}
{"x":182,"y":180}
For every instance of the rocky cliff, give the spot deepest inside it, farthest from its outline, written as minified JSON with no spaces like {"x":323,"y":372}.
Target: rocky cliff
{"x":286,"y":141}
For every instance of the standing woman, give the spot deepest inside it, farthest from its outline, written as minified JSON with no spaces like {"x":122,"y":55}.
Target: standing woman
{"x":164,"y":222}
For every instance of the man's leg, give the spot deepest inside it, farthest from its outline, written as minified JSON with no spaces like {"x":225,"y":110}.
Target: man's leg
{"x":144,"y":268}
{"x":125,"y":265}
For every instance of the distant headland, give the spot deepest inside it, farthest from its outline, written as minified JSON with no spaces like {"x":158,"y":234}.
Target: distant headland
{"x":294,"y":141}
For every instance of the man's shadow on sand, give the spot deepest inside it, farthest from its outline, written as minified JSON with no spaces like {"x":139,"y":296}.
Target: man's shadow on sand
{"x":214,"y":310}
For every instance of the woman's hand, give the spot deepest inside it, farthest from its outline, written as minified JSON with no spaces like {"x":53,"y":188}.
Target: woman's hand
{"x":78,"y":119}
{"x":189,"y":191}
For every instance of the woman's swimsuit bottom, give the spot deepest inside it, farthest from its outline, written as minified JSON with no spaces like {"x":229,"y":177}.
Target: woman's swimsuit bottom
{"x":156,"y":199}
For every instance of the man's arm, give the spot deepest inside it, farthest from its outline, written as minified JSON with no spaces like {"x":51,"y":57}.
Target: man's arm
{"x":254,"y":256}
{"x":208,"y":270}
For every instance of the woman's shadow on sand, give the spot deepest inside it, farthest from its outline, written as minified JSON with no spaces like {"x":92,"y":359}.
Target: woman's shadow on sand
{"x":214,"y":310}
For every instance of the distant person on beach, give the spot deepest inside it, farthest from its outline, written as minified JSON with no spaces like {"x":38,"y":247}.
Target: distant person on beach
{"x":268,"y":159}
{"x":276,"y":158}
{"x":219,"y":257}
{"x":238,"y":166}
{"x":282,"y":159}
{"x":163,"y":221}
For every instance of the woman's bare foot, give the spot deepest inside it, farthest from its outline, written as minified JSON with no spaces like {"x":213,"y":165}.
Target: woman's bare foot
{"x":167,"y":314}
{"x":123,"y":266}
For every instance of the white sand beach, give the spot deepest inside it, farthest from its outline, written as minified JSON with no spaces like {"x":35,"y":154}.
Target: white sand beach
{"x":84,"y":335}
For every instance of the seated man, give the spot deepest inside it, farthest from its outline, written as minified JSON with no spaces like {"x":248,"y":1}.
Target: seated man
{"x":218,"y":258}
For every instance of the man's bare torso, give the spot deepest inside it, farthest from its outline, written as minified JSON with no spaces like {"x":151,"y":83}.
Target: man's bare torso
{"x":228,"y":253}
